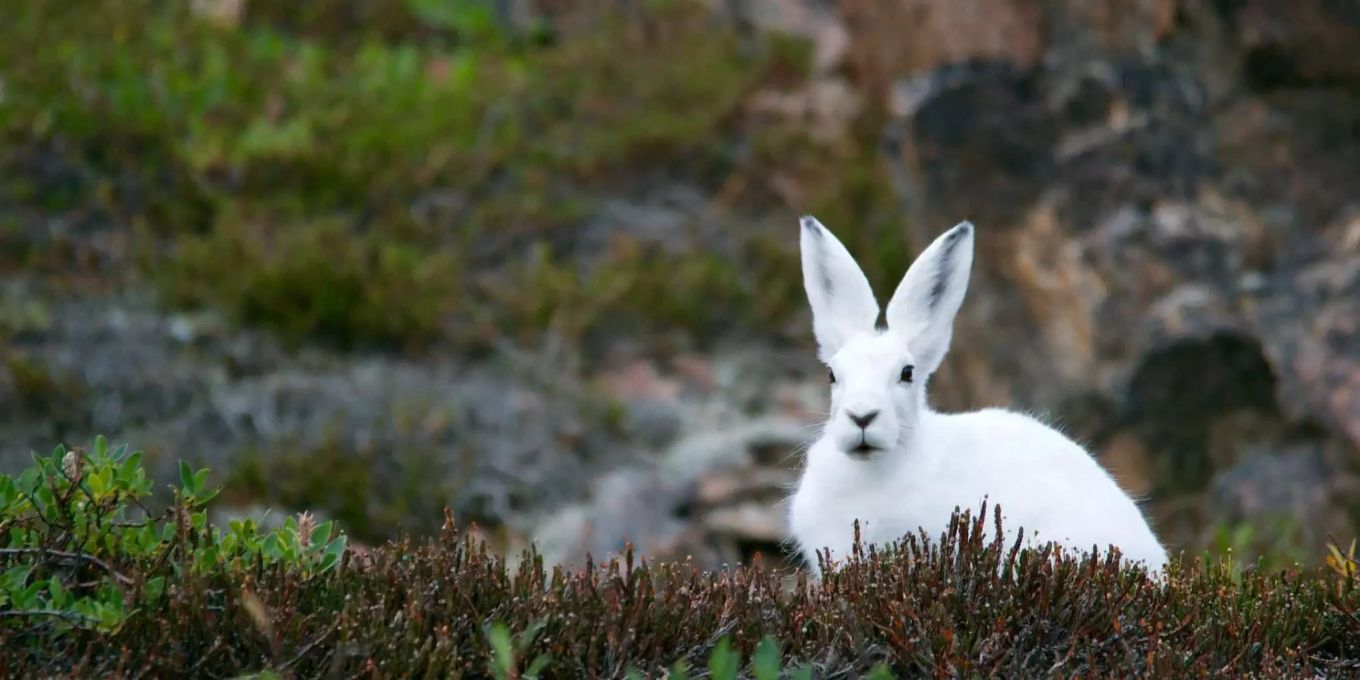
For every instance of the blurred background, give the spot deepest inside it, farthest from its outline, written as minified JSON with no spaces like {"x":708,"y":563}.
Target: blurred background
{"x":536,"y":260}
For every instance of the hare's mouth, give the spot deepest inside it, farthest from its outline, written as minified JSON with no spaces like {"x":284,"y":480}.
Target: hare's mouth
{"x":863,"y":450}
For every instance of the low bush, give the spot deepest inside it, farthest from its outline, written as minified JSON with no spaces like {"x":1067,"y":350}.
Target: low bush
{"x":97,"y":583}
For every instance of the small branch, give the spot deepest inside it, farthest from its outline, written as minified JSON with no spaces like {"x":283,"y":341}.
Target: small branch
{"x":53,"y":613}
{"x":61,"y":554}
{"x":310,"y":646}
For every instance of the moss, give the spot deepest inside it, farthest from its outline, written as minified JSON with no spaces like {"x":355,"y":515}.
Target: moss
{"x":1283,"y":546}
{"x":319,"y":278}
{"x":372,"y":495}
{"x":323,"y":478}
{"x":42,"y":392}
{"x":20,"y":314}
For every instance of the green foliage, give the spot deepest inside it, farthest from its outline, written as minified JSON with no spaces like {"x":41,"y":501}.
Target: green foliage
{"x":1268,"y":544}
{"x":723,"y":662}
{"x":507,"y":650}
{"x":403,"y":173}
{"x":319,"y":279}
{"x":346,"y":173}
{"x":471,"y":18}
{"x":344,"y":484}
{"x":41,"y":391}
{"x":81,"y":549}
{"x":765,"y":662}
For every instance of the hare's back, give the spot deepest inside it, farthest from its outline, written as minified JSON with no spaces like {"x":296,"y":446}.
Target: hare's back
{"x":1045,"y":481}
{"x":1017,"y":460}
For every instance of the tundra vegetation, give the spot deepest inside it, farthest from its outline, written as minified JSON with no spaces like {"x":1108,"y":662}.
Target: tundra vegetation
{"x":103,"y":578}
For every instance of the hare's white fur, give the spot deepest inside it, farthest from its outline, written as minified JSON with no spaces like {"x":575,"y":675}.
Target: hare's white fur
{"x":908,"y":467}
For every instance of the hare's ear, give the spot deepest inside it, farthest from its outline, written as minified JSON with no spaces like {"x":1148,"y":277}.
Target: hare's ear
{"x":923,"y":308}
{"x":842,"y":302}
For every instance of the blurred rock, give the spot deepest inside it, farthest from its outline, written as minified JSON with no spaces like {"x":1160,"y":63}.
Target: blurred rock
{"x":222,"y":12}
{"x":1130,"y":211}
{"x":1253,"y":488}
{"x":1299,"y":486}
{"x":636,"y":380}
{"x":492,"y":440}
{"x":891,"y":40}
{"x":1291,"y":42}
{"x":812,"y":20}
{"x":824,"y":108}
{"x":707,"y":499}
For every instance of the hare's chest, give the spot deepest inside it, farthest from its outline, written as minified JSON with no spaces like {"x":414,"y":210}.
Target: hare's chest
{"x":825,"y":509}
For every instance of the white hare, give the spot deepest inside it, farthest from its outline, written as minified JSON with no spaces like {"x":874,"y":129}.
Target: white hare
{"x":886,"y":459}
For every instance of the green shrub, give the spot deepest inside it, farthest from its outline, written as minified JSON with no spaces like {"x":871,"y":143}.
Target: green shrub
{"x":95,"y":585}
{"x":395,"y":174}
{"x":81,"y":548}
{"x":349,"y":188}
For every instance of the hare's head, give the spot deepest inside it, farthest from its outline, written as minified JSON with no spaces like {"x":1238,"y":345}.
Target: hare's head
{"x":878,"y":374}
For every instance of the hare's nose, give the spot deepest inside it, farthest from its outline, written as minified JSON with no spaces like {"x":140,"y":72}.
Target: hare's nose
{"x":863,"y":419}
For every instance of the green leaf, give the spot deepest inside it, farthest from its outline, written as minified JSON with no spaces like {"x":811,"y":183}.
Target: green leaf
{"x":56,"y":593}
{"x":526,"y":636}
{"x":680,"y":671}
{"x":101,"y":447}
{"x":334,"y":551}
{"x":503,"y":652}
{"x":723,"y":662}
{"x":536,"y":667}
{"x":29,"y":480}
{"x":765,"y":662}
{"x":15,"y":577}
{"x":9,"y":493}
{"x":154,"y":588}
{"x":206,"y":496}
{"x":321,"y":534}
{"x":273,"y":547}
{"x":110,"y":619}
{"x":186,"y":479}
{"x":98,"y":482}
{"x":127,"y":471}
{"x":327,"y":563}
{"x":881,"y":672}
{"x":207,"y":557}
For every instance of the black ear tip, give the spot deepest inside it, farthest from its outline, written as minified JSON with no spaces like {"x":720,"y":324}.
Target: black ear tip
{"x":811,"y":224}
{"x":964,"y":227}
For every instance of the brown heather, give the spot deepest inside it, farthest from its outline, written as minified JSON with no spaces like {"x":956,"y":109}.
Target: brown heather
{"x":961,"y":606}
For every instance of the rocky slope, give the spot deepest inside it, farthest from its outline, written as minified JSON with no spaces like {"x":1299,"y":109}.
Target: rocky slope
{"x":1169,"y":268}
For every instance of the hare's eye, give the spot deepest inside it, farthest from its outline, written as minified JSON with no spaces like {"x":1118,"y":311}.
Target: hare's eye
{"x":831,"y":374}
{"x":906,"y":374}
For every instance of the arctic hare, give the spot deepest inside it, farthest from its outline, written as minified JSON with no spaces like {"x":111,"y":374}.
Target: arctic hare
{"x":886,"y":459}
